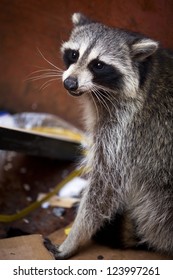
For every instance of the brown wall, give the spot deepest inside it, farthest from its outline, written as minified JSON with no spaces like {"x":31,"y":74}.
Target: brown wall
{"x":44,"y":24}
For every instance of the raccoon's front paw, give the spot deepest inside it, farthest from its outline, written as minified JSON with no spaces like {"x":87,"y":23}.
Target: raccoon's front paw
{"x":56,"y":250}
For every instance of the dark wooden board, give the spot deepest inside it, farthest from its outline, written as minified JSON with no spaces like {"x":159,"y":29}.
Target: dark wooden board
{"x":38,"y":144}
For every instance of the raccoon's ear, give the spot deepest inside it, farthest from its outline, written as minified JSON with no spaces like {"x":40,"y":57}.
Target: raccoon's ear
{"x":143,"y":48}
{"x":79,"y":19}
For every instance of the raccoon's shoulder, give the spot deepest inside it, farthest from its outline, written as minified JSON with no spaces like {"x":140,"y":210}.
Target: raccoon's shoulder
{"x":158,"y":69}
{"x":164,"y":68}
{"x":165,"y":59}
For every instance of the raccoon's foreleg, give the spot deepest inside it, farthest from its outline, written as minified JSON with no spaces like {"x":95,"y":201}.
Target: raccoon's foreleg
{"x":98,"y":204}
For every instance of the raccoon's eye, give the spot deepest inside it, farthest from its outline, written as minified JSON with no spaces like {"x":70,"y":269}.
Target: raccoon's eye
{"x":70,"y":57}
{"x":97,"y":65}
{"x":74,"y":55}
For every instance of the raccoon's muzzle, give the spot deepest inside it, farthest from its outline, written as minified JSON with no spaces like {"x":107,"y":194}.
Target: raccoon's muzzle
{"x":71,"y":84}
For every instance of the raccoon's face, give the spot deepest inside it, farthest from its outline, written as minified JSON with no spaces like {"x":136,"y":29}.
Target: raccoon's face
{"x":103,"y":59}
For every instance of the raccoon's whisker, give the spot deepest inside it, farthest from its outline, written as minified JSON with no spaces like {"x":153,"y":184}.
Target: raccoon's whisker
{"x":97,"y":112}
{"x":102,"y":99}
{"x":47,"y":83}
{"x":110,"y":99}
{"x":48,"y":70}
{"x":42,"y":73}
{"x":104,"y":102}
{"x":107,"y":90}
{"x":43,"y":76}
{"x":96,"y":93}
{"x":48,"y":60}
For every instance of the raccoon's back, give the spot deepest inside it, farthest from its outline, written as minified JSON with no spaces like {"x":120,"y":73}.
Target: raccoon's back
{"x":159,"y":89}
{"x":163,"y":77}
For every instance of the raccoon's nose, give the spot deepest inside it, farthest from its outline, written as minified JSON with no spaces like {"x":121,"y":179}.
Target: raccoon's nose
{"x":71,"y":83}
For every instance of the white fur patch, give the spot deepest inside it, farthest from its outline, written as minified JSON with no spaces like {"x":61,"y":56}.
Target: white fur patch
{"x":85,"y":80}
{"x":83,"y":48}
{"x":69,"y":72}
{"x":69,"y":45}
{"x":95,"y":52}
{"x":76,"y":18}
{"x":144,"y":48}
{"x":75,"y":46}
{"x":145,"y":44}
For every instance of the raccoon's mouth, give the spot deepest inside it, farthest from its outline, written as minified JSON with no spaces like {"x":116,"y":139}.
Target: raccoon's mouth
{"x":75,"y":93}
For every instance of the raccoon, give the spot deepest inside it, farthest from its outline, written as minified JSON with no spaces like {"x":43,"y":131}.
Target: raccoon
{"x":124,"y":81}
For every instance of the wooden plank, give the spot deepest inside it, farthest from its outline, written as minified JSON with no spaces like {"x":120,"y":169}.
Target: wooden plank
{"x":32,"y":143}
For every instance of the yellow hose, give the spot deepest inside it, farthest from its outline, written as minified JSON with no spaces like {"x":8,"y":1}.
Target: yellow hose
{"x":36,"y":204}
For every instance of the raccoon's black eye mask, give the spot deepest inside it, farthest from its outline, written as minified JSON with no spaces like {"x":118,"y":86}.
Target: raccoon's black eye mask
{"x":70,"y":56}
{"x":105,"y":74}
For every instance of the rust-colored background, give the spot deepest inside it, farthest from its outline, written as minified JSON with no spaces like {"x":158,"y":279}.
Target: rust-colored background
{"x":26,"y":26}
